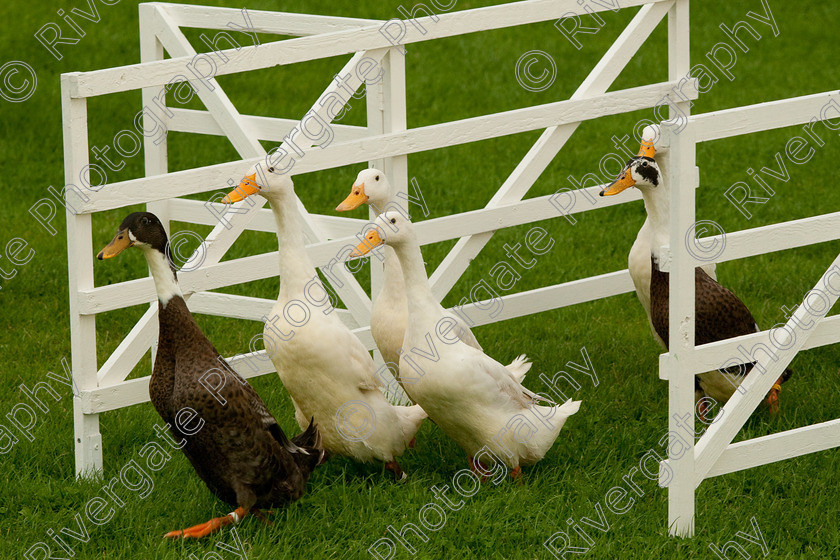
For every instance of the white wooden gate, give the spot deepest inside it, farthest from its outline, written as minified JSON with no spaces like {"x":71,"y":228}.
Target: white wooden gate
{"x":715,"y":454}
{"x":385,"y":142}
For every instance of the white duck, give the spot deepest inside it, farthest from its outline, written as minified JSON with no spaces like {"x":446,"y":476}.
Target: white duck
{"x":328,"y":372}
{"x":473,"y":398}
{"x":719,"y":314}
{"x":389,"y":315}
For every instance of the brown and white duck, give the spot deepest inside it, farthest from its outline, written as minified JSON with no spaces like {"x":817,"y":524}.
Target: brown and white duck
{"x":234,"y":443}
{"x":719,"y":314}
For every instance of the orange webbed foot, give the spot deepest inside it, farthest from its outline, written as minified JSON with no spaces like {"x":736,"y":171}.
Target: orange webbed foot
{"x":208,"y":527}
{"x":773,"y":398}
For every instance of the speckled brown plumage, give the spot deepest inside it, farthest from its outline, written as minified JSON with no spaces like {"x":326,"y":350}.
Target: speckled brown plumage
{"x":719,"y":314}
{"x":240,"y":452}
{"x":233,"y":442}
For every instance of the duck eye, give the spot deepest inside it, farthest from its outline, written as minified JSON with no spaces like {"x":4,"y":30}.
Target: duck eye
{"x":271,"y":170}
{"x":393,"y":220}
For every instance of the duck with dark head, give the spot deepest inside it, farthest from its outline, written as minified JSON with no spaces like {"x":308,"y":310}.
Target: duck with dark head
{"x":719,"y":313}
{"x":236,"y":446}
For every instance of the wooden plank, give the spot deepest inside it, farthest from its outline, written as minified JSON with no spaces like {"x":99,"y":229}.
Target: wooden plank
{"x":768,"y":239}
{"x":192,"y":181}
{"x":544,"y":150}
{"x":155,"y":157}
{"x":393,"y":117}
{"x":760,"y":117}
{"x":132,"y":348}
{"x":679,"y":171}
{"x":291,"y":51}
{"x":712,"y":356}
{"x":264,"y":128}
{"x":485,"y":127}
{"x":681,"y":316}
{"x":278,"y":23}
{"x":554,"y":297}
{"x":87,"y":439}
{"x":195,"y":212}
{"x":246,"y":307}
{"x":777,"y":447}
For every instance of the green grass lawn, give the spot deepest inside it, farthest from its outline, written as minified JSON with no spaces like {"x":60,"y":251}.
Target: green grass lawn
{"x":349,"y":506}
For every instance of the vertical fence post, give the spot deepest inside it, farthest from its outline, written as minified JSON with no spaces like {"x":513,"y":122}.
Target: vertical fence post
{"x":680,"y":176}
{"x":396,"y":167}
{"x":87,"y":440}
{"x":154,"y":101}
{"x":375,"y":107}
{"x":680,"y":171}
{"x":386,"y":112}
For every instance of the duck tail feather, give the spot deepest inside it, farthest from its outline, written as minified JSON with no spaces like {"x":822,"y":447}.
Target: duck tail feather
{"x":284,"y":440}
{"x":310,"y":437}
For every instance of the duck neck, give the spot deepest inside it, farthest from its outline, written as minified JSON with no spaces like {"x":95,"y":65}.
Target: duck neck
{"x":418,"y":292}
{"x":658,"y":206}
{"x":295,"y":267}
{"x":393,"y":272}
{"x":166,"y":282}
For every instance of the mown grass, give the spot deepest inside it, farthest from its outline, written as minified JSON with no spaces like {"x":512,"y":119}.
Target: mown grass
{"x":348,"y":506}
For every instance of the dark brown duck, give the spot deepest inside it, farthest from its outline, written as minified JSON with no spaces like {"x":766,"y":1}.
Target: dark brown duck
{"x":234,"y":443}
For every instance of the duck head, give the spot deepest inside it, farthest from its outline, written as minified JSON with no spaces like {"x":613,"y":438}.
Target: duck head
{"x":263,"y":180}
{"x":390,"y":228}
{"x":141,"y":229}
{"x":371,"y":187}
{"x":642,"y":171}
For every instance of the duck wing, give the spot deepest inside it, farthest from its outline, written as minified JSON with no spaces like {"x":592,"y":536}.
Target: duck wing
{"x":719,"y":313}
{"x":359,"y":363}
{"x":462,"y":330}
{"x":494,"y":376}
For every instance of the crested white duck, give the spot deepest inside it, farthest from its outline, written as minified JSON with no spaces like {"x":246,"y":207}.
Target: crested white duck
{"x":327,"y":371}
{"x":389,"y":315}
{"x":473,"y":398}
{"x":235,"y":444}
{"x":719,"y":314}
